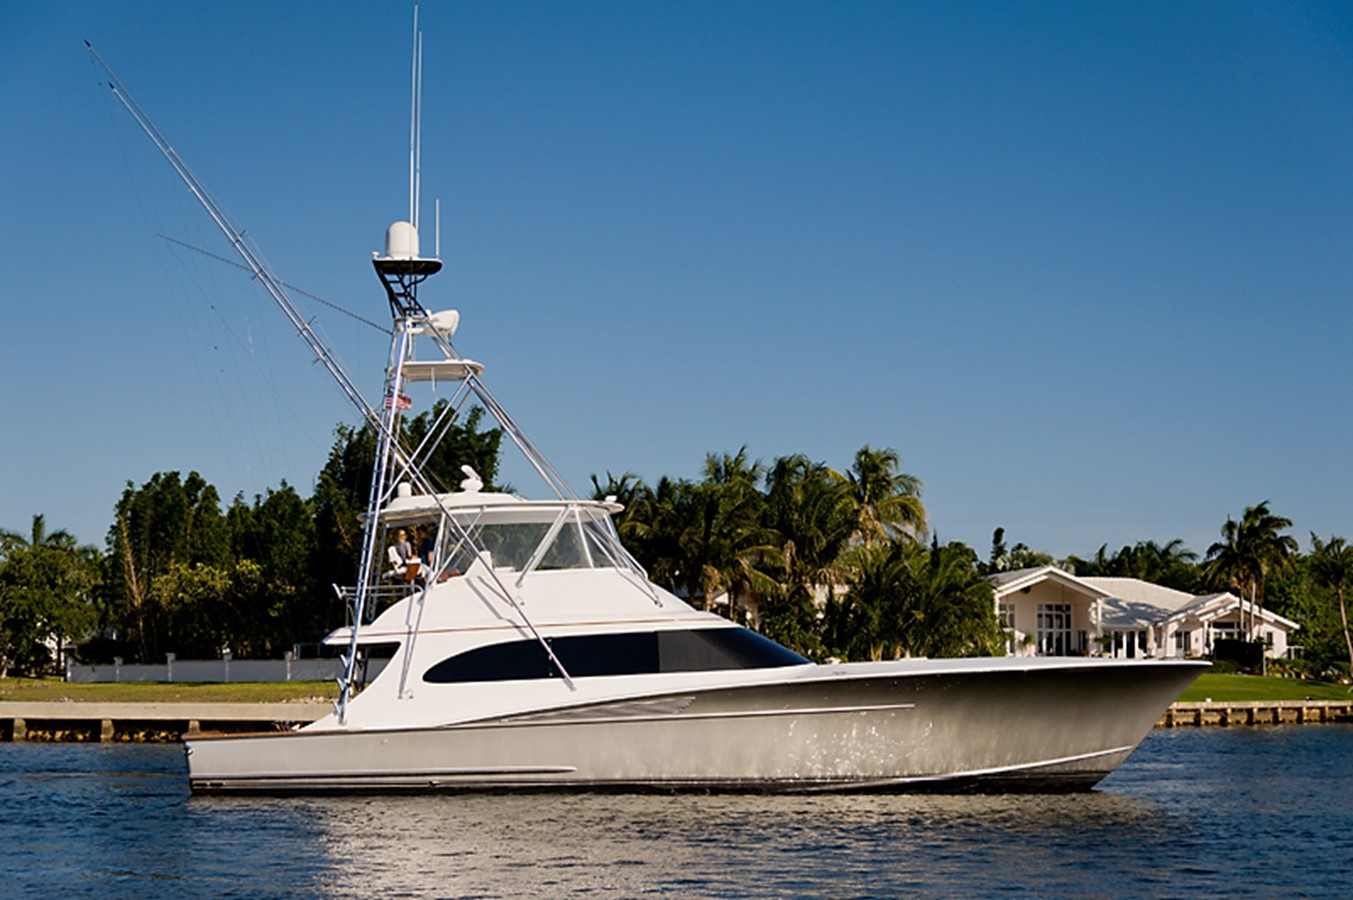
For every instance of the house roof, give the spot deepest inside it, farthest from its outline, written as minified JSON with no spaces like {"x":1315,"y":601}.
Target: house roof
{"x":1212,"y":606}
{"x":1009,"y":582}
{"x":1131,"y":602}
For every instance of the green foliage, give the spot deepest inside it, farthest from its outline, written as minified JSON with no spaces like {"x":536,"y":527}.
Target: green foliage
{"x":1021,"y":556}
{"x":344,"y":484}
{"x":905,"y":599}
{"x":888,"y":501}
{"x":1171,"y":564}
{"x":1249,"y":552}
{"x":698,"y":538}
{"x":46,"y":596}
{"x":167,"y":523}
{"x":1316,"y":590}
{"x":180,"y":576}
{"x":277,"y":598}
{"x":827,"y":563}
{"x":831,"y":563}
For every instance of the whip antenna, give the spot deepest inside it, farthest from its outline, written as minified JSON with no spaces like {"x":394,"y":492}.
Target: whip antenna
{"x":416,"y":124}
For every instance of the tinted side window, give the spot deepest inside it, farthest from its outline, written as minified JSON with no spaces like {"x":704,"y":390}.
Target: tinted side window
{"x":514,"y":661}
{"x":722,"y":648}
{"x":637,"y":653}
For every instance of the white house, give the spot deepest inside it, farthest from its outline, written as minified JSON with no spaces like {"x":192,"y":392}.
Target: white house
{"x":1048,"y":612}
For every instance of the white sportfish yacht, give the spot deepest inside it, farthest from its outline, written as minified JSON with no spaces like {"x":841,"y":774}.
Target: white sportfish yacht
{"x":526,"y":649}
{"x":530,"y":650}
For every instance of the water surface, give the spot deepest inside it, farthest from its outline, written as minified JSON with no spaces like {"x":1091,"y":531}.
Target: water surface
{"x":1242,"y":812}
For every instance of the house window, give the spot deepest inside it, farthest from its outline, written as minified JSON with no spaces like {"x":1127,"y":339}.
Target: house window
{"x":1007,"y":614}
{"x":1054,"y":629}
{"x":1181,"y":641}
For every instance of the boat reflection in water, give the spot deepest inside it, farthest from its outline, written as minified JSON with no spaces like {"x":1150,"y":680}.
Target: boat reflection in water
{"x":740,"y":846}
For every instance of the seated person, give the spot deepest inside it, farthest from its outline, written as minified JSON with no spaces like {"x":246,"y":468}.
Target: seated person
{"x":404,"y":562}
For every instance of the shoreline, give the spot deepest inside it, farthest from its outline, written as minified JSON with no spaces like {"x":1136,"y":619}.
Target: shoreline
{"x":73,"y":721}
{"x":1224,"y":714}
{"x":97,"y":722}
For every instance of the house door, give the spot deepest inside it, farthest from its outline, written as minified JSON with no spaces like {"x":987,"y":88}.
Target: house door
{"x":1054,"y":629}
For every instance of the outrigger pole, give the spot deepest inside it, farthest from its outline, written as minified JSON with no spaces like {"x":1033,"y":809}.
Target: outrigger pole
{"x":401,"y":274}
{"x":236,"y":238}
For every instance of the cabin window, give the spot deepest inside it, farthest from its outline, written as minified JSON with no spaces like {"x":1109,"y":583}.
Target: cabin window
{"x":635,"y":653}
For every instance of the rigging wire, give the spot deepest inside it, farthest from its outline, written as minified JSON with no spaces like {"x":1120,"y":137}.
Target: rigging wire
{"x":291,"y":287}
{"x":213,"y":393}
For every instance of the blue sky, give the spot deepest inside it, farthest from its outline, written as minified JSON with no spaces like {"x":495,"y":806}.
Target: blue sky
{"x":1087,"y":267}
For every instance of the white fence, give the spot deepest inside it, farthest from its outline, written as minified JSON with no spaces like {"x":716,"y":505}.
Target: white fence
{"x":194,"y":671}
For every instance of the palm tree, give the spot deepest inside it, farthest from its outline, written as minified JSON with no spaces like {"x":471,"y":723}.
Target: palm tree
{"x":38,"y":536}
{"x":734,"y":469}
{"x":733,"y":542}
{"x":46,"y":583}
{"x":813,"y":515}
{"x":889,"y":501}
{"x":956,"y":613}
{"x":1248,"y":552}
{"x":1332,"y":568}
{"x":909,"y":599}
{"x":867,"y":620}
{"x":651,"y":527}
{"x":630,"y":492}
{"x":1171,"y":564}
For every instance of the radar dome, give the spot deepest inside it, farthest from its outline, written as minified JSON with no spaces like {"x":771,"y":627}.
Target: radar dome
{"x":401,"y":241}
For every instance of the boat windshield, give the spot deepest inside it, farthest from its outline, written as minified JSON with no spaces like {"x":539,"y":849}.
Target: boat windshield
{"x":571,"y":541}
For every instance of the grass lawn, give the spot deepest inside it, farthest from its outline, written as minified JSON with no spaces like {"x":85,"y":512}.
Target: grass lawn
{"x":42,"y":689}
{"x":1223,"y":688}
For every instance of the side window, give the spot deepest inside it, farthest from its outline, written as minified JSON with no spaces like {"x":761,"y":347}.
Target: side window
{"x":637,"y":653}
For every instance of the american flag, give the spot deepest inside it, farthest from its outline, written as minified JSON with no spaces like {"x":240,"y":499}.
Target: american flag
{"x":400,"y":402}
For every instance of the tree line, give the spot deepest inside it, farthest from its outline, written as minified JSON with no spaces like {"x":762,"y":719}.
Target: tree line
{"x":831,"y":562}
{"x":181,"y":573}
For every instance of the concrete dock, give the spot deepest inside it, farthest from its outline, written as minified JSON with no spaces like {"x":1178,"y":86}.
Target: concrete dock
{"x":1256,"y":712}
{"x":75,"y":721}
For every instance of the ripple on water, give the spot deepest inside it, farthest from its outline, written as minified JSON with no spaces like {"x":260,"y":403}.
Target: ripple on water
{"x":1240,"y":811}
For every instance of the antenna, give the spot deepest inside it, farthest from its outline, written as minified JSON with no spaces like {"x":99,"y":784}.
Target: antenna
{"x":416,"y":124}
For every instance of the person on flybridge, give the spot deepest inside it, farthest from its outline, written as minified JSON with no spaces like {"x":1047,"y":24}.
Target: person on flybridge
{"x":404,"y":563}
{"x":426,"y":543}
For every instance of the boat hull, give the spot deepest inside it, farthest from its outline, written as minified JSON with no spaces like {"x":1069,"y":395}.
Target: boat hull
{"x":1041,"y":729}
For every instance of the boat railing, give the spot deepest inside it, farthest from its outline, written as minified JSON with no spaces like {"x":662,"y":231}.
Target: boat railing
{"x":378,"y":598}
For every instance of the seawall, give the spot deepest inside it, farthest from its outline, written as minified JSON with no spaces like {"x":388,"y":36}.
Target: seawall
{"x":1256,"y":712}
{"x":80,"y":721}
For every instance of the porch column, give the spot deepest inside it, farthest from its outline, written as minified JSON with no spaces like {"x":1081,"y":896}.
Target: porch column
{"x":1099,"y":623}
